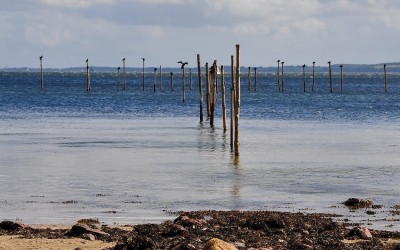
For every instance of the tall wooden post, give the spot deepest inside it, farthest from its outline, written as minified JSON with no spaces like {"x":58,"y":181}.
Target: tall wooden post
{"x":249,"y":78}
{"x":160,"y":78}
{"x":232,"y":101}
{"x":208,"y":90}
{"x":87,"y":76}
{"x":384,"y":71}
{"x":330,"y":77}
{"x":200,"y":87}
{"x":255,"y":78}
{"x":41,"y":73}
{"x":172,"y":81}
{"x":223,"y":97}
{"x":279,"y":82}
{"x":155,"y":79}
{"x":313,"y":76}
{"x":183,"y":84}
{"x":213,"y":91}
{"x":341,"y":78}
{"x":123,"y":60}
{"x":143,"y":59}
{"x":283,"y":85}
{"x":118,"y":78}
{"x":304,"y":78}
{"x":237,"y":102}
{"x":190,"y":78}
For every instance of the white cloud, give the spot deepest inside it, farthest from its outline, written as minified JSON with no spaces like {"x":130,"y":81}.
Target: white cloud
{"x":75,"y":3}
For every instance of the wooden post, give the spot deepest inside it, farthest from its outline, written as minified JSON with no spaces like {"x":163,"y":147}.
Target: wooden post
{"x":200,"y":87}
{"x":232,"y":101}
{"x":384,"y":71}
{"x":87,"y":76}
{"x":330,"y":77}
{"x":341,"y":78}
{"x":304,"y":78}
{"x":255,"y":78}
{"x":249,"y":79}
{"x":283,"y":85}
{"x":213,"y":92}
{"x":313,"y":76}
{"x":143,"y":59}
{"x":237,"y":101}
{"x":208,"y":90}
{"x":223,"y":98}
{"x":279,"y":82}
{"x":190,"y":78}
{"x":41,"y":73}
{"x":183,"y":84}
{"x":155,"y":79}
{"x":160,"y":78}
{"x":123,"y":60}
{"x":172,"y":81}
{"x":118,"y":79}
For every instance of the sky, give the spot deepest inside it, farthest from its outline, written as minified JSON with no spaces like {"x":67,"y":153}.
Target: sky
{"x":67,"y":32}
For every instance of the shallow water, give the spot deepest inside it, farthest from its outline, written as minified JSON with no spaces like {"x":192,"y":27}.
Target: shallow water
{"x":134,"y":156}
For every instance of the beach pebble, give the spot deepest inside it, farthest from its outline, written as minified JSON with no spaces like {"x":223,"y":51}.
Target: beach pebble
{"x":360,"y":232}
{"x":217,"y":244}
{"x":188,"y":222}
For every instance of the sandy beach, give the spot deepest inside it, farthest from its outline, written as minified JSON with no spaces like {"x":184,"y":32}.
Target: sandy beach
{"x":202,"y":230}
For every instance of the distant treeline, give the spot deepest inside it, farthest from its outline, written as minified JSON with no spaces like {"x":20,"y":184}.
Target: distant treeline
{"x":350,"y":68}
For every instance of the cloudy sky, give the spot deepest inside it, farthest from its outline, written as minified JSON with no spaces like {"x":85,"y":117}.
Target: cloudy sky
{"x":67,"y":32}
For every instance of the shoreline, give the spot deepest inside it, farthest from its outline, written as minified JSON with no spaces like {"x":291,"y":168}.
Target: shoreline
{"x":194,"y":230}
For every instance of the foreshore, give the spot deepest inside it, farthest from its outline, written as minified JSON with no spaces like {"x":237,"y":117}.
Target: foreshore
{"x":195,"y":230}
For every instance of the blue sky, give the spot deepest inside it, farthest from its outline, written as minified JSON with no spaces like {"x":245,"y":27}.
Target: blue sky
{"x":67,"y":32}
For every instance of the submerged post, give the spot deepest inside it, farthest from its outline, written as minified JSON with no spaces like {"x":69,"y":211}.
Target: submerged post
{"x":190,"y":78}
{"x":283,"y":85}
{"x":183,"y":79}
{"x":279,"y":82}
{"x":208,"y":90}
{"x":172,"y":81}
{"x":313,"y":76}
{"x":255,"y":78}
{"x":213,"y":91}
{"x":384,"y":71}
{"x":87,"y":75}
{"x":123,"y":61}
{"x":304,"y":78}
{"x":249,"y":78}
{"x":341,"y":78}
{"x":223,"y":98}
{"x":155,"y":79}
{"x":200,"y":87}
{"x":118,"y":78}
{"x":143,"y":59}
{"x":160,"y":78}
{"x":330,"y":77}
{"x":41,"y":73}
{"x":232,"y":101}
{"x":237,"y":101}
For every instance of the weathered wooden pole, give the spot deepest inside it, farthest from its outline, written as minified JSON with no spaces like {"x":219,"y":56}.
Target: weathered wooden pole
{"x":172,"y":81}
{"x":283,"y":85}
{"x":313,"y":76}
{"x":223,"y":98}
{"x":200,"y":87}
{"x":183,"y":79}
{"x":155,"y":79}
{"x":232,"y":101}
{"x":213,"y":91}
{"x":279,"y":82}
{"x":249,"y":78}
{"x":87,"y":76}
{"x":255,"y":78}
{"x":118,"y":78}
{"x":384,"y":71}
{"x":237,"y":102}
{"x":160,"y":78}
{"x":341,"y":78}
{"x":304,"y":78}
{"x":41,"y":73}
{"x":143,"y":59}
{"x":190,"y":78}
{"x":123,"y":60}
{"x":208,"y":90}
{"x":330,"y":77}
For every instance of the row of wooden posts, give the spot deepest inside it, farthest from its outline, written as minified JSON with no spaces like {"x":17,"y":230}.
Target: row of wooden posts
{"x":211,"y":91}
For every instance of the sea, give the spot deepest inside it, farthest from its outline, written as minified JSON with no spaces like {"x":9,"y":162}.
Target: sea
{"x":141,"y":155}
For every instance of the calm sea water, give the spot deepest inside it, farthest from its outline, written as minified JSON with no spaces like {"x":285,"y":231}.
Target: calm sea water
{"x":134,"y":156}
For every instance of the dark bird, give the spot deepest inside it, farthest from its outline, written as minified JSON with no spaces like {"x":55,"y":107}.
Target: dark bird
{"x":155,"y":69}
{"x":87,"y":60}
{"x":123,"y":59}
{"x":329,"y":62}
{"x":40,"y":57}
{"x":183,"y":64}
{"x":304,"y":65}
